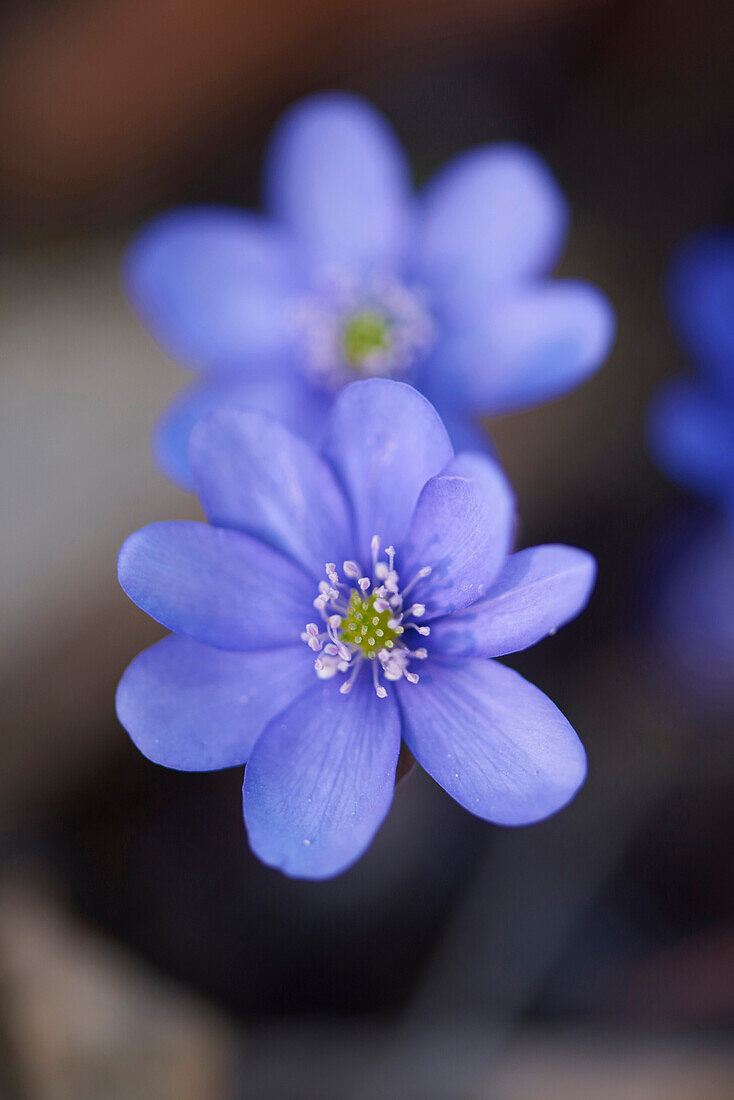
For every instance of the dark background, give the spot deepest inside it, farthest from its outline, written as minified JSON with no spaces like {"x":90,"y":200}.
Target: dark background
{"x":143,"y":951}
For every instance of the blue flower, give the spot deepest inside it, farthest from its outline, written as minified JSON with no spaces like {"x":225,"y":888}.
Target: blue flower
{"x":692,"y":420}
{"x":349,"y":276}
{"x":695,"y":614}
{"x":692,"y":438}
{"x":340,"y":601}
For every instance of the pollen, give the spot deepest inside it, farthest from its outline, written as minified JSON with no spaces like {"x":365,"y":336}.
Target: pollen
{"x":366,"y":627}
{"x":365,"y":334}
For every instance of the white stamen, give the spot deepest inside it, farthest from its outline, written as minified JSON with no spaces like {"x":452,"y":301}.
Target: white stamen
{"x":325,"y":670}
{"x":424,"y":572}
{"x":380,"y":691}
{"x":322,"y":320}
{"x":360,"y":619}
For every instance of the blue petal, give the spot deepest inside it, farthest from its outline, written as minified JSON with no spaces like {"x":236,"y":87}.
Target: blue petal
{"x":496,"y":743}
{"x":213,"y":285}
{"x":337,"y":178}
{"x":320,"y":779}
{"x":385,"y":441}
{"x":462,"y":528}
{"x":288,"y":397}
{"x":466,"y":431}
{"x":216,"y":586}
{"x":695,"y":617}
{"x":526,"y":347}
{"x":537,"y":591}
{"x":702,"y":303}
{"x":692,"y":438}
{"x":197,"y":709}
{"x":254,"y":475}
{"x":491,"y":218}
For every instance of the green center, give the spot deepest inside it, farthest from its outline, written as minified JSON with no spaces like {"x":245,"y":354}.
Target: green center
{"x":364,"y":333}
{"x":367,"y":628}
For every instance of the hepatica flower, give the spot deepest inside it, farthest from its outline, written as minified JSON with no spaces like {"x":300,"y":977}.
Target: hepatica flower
{"x":692,"y":438}
{"x":348,"y":275}
{"x":338,"y":602}
{"x":695,"y":615}
{"x":692,"y":420}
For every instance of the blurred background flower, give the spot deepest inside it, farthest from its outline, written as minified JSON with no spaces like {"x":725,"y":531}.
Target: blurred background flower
{"x":143,"y":951}
{"x":691,"y":434}
{"x":692,"y":419}
{"x":350,"y":277}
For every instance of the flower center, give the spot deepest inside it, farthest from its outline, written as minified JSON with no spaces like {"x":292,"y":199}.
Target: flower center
{"x":375,"y":328}
{"x":366,"y":620}
{"x":368,"y":628}
{"x":365,"y":334}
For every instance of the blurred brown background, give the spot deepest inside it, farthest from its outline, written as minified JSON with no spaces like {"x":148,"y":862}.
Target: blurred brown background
{"x":143,"y":952}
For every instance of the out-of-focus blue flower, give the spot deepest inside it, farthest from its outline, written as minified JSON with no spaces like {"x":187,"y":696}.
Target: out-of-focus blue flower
{"x":340,"y":601}
{"x":692,"y":420}
{"x":695,"y":615}
{"x":350,"y":276}
{"x":692,"y":438}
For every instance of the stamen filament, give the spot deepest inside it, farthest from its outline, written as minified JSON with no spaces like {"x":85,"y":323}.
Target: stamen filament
{"x":369,"y":626}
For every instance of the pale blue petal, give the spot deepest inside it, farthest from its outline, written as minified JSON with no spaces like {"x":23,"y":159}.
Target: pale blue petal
{"x":493,"y":217}
{"x":538,"y":590}
{"x":466,"y":431}
{"x":216,"y":586}
{"x":385,"y":441}
{"x":286,"y":396}
{"x":254,"y":475}
{"x":337,"y":178}
{"x":524,"y":348}
{"x":462,"y":528}
{"x":493,"y":741}
{"x":214,"y":285}
{"x":320,"y":779}
{"x":194,"y":708}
